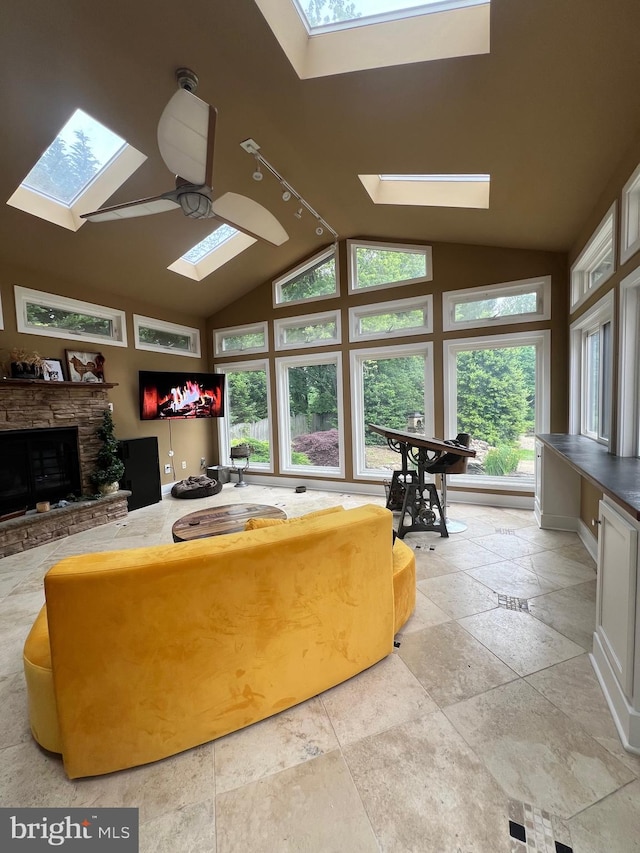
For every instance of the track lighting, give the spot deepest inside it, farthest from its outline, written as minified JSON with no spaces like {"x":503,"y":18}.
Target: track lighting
{"x":288,"y":192}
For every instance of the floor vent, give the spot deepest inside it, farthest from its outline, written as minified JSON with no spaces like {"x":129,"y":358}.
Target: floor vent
{"x":512,"y":603}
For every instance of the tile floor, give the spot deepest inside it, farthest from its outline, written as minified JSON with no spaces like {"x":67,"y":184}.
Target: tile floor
{"x":481,"y":714}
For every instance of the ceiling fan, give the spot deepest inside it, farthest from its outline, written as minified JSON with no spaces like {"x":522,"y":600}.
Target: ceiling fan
{"x":186,"y":135}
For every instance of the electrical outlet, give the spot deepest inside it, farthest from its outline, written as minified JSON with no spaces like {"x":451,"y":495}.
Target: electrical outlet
{"x":184,"y":465}
{"x":167,"y":469}
{"x":203,"y":463}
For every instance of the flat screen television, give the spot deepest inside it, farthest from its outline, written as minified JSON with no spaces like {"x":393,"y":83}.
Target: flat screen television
{"x":169,"y":395}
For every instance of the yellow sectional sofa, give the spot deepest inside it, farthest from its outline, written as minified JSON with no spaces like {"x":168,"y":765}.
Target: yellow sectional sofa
{"x":142,"y":653}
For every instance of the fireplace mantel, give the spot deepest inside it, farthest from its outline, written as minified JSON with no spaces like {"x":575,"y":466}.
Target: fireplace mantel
{"x":27,"y":383}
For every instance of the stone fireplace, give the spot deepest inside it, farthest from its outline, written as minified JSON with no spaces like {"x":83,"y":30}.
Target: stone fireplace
{"x":33,"y":405}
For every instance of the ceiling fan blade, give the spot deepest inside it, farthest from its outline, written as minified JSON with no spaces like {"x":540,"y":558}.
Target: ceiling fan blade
{"x":142,"y":207}
{"x":247,"y":215}
{"x":185,"y":137}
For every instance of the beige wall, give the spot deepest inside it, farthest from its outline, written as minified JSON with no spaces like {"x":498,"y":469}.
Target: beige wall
{"x":191,"y":439}
{"x":455,"y":267}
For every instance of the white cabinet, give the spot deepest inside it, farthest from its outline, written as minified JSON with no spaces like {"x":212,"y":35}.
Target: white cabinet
{"x":557,"y":499}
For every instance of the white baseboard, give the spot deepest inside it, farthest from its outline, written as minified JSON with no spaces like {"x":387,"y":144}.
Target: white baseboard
{"x":626,"y":718}
{"x":589,"y":541}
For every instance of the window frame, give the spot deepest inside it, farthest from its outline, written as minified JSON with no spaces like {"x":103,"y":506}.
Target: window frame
{"x":224,"y":439}
{"x":1,"y":314}
{"x":629,"y":366}
{"x":356,"y":358}
{"x":630,"y":217}
{"x":249,"y":329}
{"x":164,"y":326}
{"x":375,"y":308}
{"x":26,"y":295}
{"x":596,"y":249}
{"x":315,"y":260}
{"x":452,"y":298}
{"x":595,"y":318}
{"x":281,"y":324}
{"x":408,"y":248}
{"x":284,"y":426}
{"x":541,"y":339}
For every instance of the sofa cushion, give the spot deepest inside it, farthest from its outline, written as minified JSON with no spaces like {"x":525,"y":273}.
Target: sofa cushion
{"x":259,"y":523}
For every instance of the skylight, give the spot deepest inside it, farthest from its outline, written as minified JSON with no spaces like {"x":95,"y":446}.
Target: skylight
{"x":210,"y":254}
{"x":359,"y":13}
{"x":322,"y":37}
{"x":84,"y":165}
{"x":429,"y":190}
{"x":79,"y":152}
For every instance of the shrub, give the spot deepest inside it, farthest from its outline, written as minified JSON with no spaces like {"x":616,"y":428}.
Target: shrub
{"x":260,"y":451}
{"x":502,"y":460}
{"x":320,"y":447}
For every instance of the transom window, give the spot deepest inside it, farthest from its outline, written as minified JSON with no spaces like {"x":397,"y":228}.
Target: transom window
{"x":161,"y":336}
{"x":630,"y":228}
{"x":315,"y":279}
{"x":312,"y":330}
{"x":379,"y":265}
{"x":83,"y":166}
{"x":247,"y":409}
{"x":210,"y":254}
{"x":596,"y":262}
{"x":391,"y":319}
{"x":591,"y":371}
{"x":499,"y":304}
{"x":241,"y":339}
{"x":47,"y":314}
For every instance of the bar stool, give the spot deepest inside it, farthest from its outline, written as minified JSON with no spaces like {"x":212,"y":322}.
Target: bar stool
{"x":451,"y":463}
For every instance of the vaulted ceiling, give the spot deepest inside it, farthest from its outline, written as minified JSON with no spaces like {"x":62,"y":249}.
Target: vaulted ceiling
{"x":547,"y":113}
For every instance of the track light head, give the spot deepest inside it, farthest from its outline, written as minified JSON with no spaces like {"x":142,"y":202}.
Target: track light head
{"x":298,"y":213}
{"x":257,"y":175}
{"x":319,"y":230}
{"x":286,"y":195}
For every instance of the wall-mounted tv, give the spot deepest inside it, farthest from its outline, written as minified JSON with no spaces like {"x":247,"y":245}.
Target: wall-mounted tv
{"x":167,"y":395}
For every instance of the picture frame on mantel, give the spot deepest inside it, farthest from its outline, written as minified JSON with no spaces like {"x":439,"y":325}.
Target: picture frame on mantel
{"x":85,"y":366}
{"x":52,"y":370}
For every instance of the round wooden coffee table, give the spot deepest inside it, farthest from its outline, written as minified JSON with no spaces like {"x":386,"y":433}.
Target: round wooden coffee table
{"x":220,"y":519}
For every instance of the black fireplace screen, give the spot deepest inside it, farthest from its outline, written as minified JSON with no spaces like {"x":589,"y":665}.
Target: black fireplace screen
{"x":37,"y":465}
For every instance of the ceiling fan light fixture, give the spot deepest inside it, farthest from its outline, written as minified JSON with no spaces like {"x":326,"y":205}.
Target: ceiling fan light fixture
{"x":195,"y":205}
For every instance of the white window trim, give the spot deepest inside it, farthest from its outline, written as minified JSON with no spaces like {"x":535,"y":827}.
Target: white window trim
{"x":164,"y":326}
{"x":603,"y":238}
{"x":600,"y":313}
{"x":452,"y":298}
{"x":629,"y":366}
{"x":419,"y":302}
{"x":281,"y":326}
{"x":1,"y":315}
{"x":94,"y":196}
{"x":253,"y":328}
{"x":284,"y":435}
{"x":315,"y":260}
{"x":224,"y":440}
{"x":24,"y":295}
{"x":409,"y":248}
{"x":542,"y":341}
{"x":357,"y":356}
{"x":630,"y":218}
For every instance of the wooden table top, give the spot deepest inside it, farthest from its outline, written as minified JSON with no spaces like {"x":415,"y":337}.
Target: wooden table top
{"x":217,"y":520}
{"x":420,"y":440}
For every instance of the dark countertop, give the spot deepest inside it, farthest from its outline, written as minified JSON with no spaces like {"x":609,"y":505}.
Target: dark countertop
{"x":616,"y":476}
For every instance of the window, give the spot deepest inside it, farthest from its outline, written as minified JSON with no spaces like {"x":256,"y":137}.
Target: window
{"x":247,"y":417}
{"x":241,"y":339}
{"x":310,"y":415}
{"x":380,"y":265}
{"x":629,"y":366}
{"x":313,"y":330}
{"x":497,"y":390}
{"x":390,"y":386}
{"x":1,"y":317}
{"x":160,"y":336}
{"x":347,"y":36}
{"x":429,"y":190}
{"x":498,"y":304}
{"x":630,"y":229}
{"x":316,"y":279}
{"x":59,"y":317}
{"x":210,"y":254}
{"x":591,"y":371}
{"x":596,"y":262}
{"x":391,"y":319}
{"x":83,"y":166}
